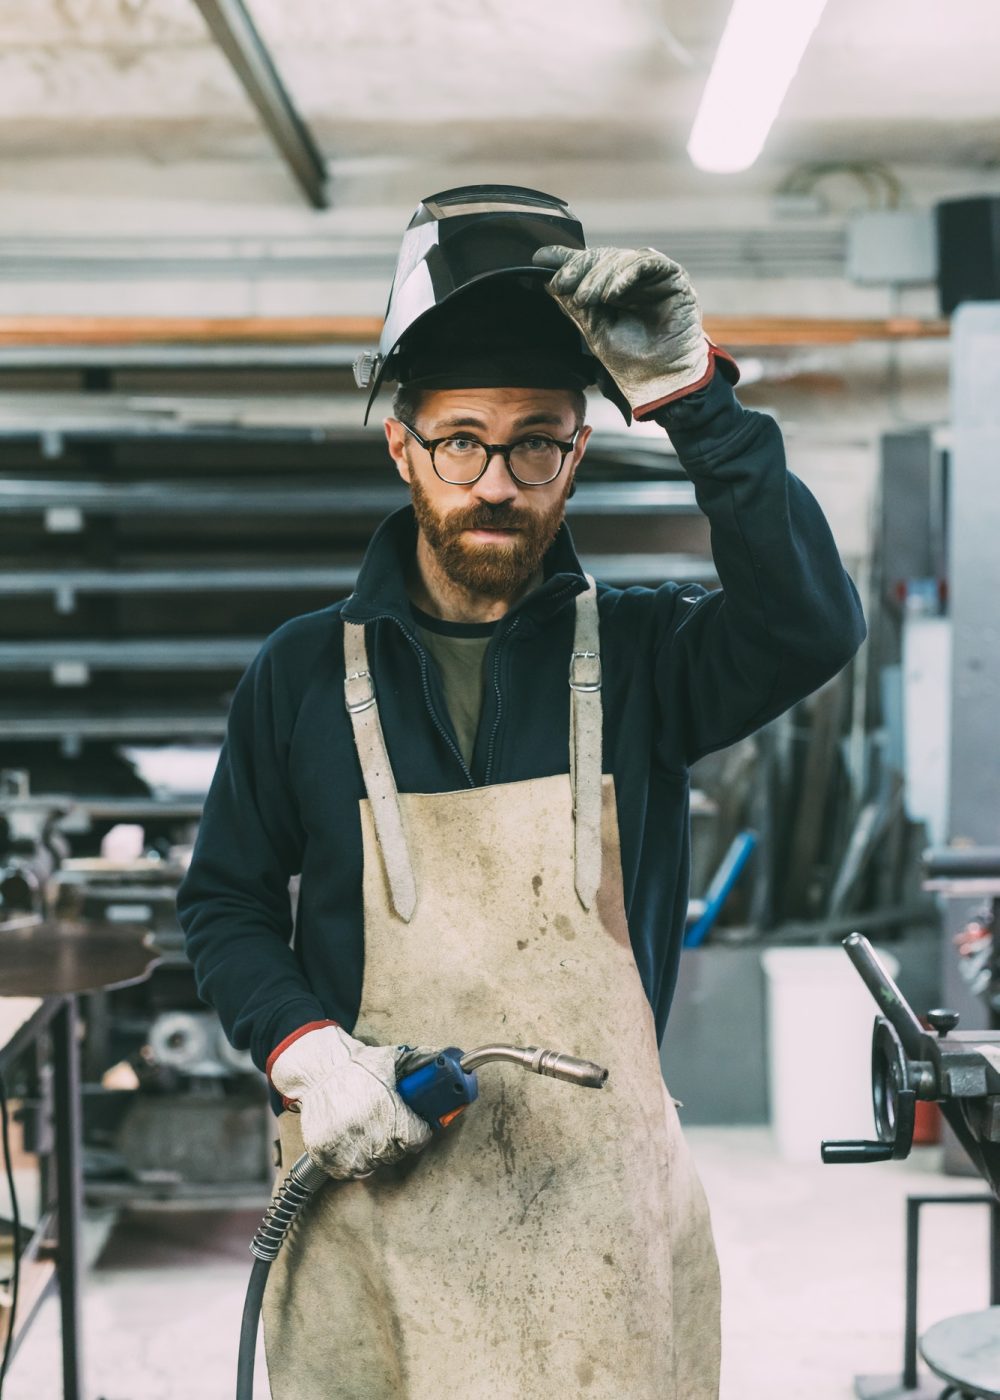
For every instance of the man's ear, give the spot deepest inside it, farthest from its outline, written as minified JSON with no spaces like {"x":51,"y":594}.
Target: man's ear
{"x":395,"y":437}
{"x":578,"y":450}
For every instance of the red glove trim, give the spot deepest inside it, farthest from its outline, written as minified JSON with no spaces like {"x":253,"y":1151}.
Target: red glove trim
{"x":290,"y":1040}
{"x":716,"y":354}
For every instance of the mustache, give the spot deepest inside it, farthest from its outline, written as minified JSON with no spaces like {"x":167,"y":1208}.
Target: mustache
{"x":484,"y":516}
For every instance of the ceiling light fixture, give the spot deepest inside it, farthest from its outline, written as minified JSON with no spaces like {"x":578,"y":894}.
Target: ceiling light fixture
{"x":758,"y":55}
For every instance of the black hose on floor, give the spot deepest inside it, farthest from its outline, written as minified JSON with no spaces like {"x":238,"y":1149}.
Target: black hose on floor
{"x":294,"y":1193}
{"x":248,"y":1328}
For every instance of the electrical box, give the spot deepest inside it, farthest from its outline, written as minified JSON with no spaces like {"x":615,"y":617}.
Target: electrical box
{"x":892,"y":246}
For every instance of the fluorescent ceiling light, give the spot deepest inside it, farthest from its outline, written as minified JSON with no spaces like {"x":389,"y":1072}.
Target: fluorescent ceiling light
{"x":758,"y":56}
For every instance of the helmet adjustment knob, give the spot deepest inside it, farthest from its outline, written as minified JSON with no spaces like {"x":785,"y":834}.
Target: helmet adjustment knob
{"x":366,"y":366}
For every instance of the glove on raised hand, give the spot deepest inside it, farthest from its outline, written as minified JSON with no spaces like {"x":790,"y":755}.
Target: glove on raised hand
{"x":638,"y":313}
{"x":353,"y":1120}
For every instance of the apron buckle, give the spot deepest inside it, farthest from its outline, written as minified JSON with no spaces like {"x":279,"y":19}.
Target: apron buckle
{"x":357,"y":702}
{"x":586,"y":678}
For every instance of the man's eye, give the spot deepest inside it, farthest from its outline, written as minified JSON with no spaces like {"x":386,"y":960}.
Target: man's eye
{"x":458,"y":444}
{"x":535,"y":444}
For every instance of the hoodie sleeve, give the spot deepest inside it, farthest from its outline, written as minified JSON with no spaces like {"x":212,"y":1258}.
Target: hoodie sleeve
{"x":787,"y":617}
{"x":233,"y":904}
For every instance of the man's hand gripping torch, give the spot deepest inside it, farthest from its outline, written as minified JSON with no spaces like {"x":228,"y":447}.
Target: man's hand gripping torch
{"x":436,"y":1085}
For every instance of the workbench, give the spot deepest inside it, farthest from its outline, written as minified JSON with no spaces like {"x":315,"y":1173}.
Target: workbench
{"x":50,"y":1249}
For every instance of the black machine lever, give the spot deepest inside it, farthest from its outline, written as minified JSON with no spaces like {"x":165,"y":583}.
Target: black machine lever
{"x":958,"y":1071}
{"x":837,"y":1153}
{"x":893,"y":1005}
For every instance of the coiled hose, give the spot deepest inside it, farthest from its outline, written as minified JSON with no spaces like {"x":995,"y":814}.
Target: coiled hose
{"x":294,"y":1192}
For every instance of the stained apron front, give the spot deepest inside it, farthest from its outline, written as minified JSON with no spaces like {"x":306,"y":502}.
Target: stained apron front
{"x":554,"y":1240}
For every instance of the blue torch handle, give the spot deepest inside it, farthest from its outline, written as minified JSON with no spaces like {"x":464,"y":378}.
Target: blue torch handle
{"x":436,"y":1086}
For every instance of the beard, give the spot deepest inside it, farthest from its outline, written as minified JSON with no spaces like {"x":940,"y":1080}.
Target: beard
{"x":497,"y":571}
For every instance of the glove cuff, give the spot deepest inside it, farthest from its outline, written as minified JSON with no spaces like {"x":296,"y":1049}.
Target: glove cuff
{"x":716,"y":356}
{"x":290,"y":1040}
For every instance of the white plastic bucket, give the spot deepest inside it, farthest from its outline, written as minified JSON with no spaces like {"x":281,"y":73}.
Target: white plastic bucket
{"x":820,"y":1016}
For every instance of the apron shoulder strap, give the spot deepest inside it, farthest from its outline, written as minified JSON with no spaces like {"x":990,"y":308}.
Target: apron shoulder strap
{"x":359,"y":697}
{"x":586,"y":720}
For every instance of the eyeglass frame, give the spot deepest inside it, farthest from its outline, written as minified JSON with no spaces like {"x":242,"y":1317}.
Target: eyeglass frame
{"x":430,"y":445}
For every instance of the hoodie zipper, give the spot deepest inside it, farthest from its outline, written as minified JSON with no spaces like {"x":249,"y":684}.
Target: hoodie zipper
{"x":425,"y":682}
{"x":556,"y":597}
{"x":496,"y":686}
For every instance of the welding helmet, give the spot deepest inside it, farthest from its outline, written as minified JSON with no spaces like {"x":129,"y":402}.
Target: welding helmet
{"x":469,"y":309}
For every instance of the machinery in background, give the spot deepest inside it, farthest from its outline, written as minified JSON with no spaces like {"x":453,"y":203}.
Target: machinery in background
{"x":171,"y":1111}
{"x":31,"y":848}
{"x":181,"y":1116}
{"x":961,"y":1071}
{"x":958,"y":1069}
{"x":973,"y":872}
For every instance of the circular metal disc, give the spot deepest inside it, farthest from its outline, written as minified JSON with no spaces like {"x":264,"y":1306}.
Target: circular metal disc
{"x":61,"y":957}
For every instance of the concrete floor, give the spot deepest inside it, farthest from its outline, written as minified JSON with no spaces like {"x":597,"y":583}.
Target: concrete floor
{"x":812,"y":1267}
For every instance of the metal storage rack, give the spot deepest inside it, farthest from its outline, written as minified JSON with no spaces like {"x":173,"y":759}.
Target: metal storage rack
{"x":135,"y":480}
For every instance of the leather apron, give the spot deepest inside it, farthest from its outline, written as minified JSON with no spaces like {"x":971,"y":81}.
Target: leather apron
{"x":554,"y":1240}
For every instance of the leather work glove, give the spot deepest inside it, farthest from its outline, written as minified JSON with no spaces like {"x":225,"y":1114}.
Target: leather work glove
{"x":639,"y":315}
{"x":352,"y":1118}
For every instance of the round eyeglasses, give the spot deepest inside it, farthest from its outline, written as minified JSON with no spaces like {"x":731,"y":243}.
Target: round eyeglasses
{"x":459,"y":460}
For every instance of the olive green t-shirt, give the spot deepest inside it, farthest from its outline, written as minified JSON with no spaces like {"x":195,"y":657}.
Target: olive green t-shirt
{"x":459,"y":648}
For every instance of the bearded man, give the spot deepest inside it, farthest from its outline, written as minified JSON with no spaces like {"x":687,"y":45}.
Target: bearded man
{"x":488,"y":852}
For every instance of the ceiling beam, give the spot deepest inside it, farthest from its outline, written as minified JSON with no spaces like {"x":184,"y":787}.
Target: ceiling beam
{"x":237,"y":36}
{"x":740,"y":332}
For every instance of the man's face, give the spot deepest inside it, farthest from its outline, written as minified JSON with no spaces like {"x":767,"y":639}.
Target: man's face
{"x":488,"y":537}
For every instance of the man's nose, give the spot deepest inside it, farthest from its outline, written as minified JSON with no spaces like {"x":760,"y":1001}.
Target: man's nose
{"x":496,"y":484}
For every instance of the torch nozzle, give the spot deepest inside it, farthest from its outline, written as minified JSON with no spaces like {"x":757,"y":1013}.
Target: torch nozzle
{"x":539,"y":1061}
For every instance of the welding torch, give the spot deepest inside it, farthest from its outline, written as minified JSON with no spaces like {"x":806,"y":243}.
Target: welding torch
{"x":438,"y":1085}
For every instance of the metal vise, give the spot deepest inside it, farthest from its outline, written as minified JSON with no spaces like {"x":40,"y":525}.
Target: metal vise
{"x":958,"y":1069}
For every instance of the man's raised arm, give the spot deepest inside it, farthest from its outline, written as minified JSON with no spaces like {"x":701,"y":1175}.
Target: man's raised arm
{"x":787,"y":617}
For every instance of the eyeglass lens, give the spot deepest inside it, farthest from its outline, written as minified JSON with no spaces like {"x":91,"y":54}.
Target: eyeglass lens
{"x":534,"y":461}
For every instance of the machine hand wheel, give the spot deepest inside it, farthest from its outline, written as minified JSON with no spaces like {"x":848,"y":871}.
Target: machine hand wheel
{"x":893,"y":1099}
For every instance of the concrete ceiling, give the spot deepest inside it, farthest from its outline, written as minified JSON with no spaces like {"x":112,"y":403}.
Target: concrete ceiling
{"x":566,"y":80}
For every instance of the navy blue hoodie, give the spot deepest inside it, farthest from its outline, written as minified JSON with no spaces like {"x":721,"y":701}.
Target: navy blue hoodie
{"x":685,"y":670}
